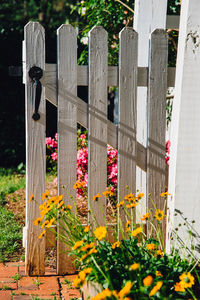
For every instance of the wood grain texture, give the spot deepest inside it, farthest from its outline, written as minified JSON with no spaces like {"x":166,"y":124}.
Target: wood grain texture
{"x":34,"y":55}
{"x":50,"y":77}
{"x":97,"y":122}
{"x":184,"y":168}
{"x":156,"y":166}
{"x":67,"y":128}
{"x":127,"y":127}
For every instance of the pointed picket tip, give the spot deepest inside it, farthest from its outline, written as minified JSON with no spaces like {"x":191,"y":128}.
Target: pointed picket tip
{"x":33,"y":26}
{"x":98,"y":30}
{"x":129,"y":31}
{"x":159,"y":34}
{"x":67,"y":28}
{"x":159,"y":31}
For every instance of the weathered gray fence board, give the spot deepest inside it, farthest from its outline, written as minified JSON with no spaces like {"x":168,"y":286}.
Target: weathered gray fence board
{"x":157,"y":117}
{"x":34,"y":51}
{"x":67,"y":128}
{"x":97,"y":122}
{"x":149,"y":15}
{"x":127,"y":112}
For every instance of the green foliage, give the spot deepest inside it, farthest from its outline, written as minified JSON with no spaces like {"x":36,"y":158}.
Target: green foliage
{"x":173,"y":7}
{"x":16,"y":277}
{"x":80,"y":140}
{"x":37,"y":282}
{"x":68,"y":282}
{"x":5,"y":288}
{"x":128,"y":262}
{"x":111,"y":15}
{"x":10,"y":181}
{"x":11,"y":234}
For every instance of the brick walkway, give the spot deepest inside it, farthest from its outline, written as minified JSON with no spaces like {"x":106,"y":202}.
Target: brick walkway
{"x":23,"y":287}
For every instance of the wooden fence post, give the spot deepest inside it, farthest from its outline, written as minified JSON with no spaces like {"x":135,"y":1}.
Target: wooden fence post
{"x":35,"y":149}
{"x":127,"y":113}
{"x":157,"y":88}
{"x":97,"y":122}
{"x":149,"y":15}
{"x":67,"y":129}
{"x":184,"y":167}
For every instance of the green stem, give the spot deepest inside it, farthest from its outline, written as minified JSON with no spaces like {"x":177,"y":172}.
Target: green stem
{"x":195,"y":265}
{"x":192,"y":294}
{"x":161,"y":236}
{"x":102,"y":273}
{"x":120,"y":224}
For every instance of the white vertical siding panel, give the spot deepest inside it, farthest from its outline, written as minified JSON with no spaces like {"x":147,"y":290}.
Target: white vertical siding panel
{"x":184,"y":169}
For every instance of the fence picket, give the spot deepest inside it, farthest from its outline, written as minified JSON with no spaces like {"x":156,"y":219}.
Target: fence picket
{"x":127,"y":113}
{"x":97,"y":122}
{"x":156,"y":166}
{"x":149,"y":15}
{"x":34,"y":53}
{"x":67,"y":128}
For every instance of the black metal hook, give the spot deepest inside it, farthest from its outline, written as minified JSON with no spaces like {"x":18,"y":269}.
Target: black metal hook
{"x":36,"y":74}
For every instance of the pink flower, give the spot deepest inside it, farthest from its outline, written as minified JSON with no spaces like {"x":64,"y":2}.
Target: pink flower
{"x":82,"y":163}
{"x":86,"y":179}
{"x":79,"y":172}
{"x":114,"y":45}
{"x":54,"y":144}
{"x":48,"y":141}
{"x":112,"y":189}
{"x":114,"y":180}
{"x":55,"y":181}
{"x":167,"y":160}
{"x":168,"y":145}
{"x":54,"y":156}
{"x":113,"y":171}
{"x":109,"y":169}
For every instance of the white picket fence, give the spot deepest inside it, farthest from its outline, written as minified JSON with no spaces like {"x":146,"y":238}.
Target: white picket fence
{"x":60,"y":83}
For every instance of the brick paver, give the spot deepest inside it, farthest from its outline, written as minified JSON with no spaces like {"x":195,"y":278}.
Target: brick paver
{"x":6,"y":271}
{"x":27,"y":283}
{"x":5,"y":295}
{"x":69,"y":294}
{"x":22,"y":297}
{"x":46,"y":287}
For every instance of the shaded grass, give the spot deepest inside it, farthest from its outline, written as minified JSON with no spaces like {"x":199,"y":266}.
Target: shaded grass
{"x":10,"y":181}
{"x":10,"y":229}
{"x":11,"y":235}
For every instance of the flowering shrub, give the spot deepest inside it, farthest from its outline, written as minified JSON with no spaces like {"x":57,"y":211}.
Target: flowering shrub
{"x":168,"y":144}
{"x":82,"y":162}
{"x":52,"y":153}
{"x":133,"y":267}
